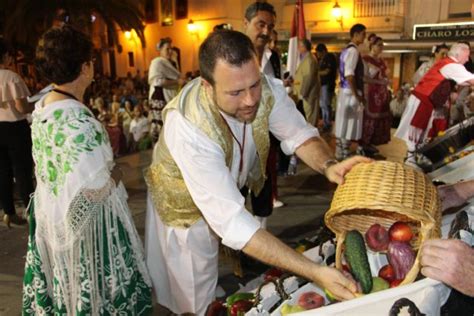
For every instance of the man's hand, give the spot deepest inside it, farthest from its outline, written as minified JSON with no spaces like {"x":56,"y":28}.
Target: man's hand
{"x":268,"y":249}
{"x":450,"y":261}
{"x":336,"y":173}
{"x":335,"y":282}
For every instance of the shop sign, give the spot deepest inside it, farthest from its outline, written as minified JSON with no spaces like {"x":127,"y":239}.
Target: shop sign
{"x":444,"y":31}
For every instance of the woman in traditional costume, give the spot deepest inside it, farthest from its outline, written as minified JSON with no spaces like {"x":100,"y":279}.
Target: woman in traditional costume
{"x":377,"y":116}
{"x":164,"y":79}
{"x":84,"y":254}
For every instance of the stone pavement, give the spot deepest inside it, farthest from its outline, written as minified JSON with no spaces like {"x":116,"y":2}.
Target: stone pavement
{"x":306,"y":196}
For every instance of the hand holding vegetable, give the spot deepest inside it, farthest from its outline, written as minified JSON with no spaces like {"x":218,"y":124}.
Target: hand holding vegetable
{"x":450,"y":261}
{"x":334,"y":281}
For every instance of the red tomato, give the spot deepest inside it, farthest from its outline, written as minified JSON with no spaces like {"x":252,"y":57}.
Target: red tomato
{"x":273,"y":273}
{"x":387,"y":273}
{"x":395,"y":283}
{"x":400,"y":231}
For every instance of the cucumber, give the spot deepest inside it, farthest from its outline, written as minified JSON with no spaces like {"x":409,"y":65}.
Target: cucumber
{"x":356,"y":256}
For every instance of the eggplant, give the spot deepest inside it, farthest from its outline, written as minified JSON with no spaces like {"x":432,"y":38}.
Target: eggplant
{"x":401,"y":256}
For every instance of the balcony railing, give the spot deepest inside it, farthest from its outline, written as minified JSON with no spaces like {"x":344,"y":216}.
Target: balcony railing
{"x":374,"y":8}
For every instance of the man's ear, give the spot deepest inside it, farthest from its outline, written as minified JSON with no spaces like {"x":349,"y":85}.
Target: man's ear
{"x":246,"y":23}
{"x":85,"y":66}
{"x":206,"y":84}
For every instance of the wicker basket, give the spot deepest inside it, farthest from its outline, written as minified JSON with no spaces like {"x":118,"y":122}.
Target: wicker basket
{"x":385,"y":192}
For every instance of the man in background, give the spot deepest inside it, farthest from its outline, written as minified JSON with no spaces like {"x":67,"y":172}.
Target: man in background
{"x":327,"y":75}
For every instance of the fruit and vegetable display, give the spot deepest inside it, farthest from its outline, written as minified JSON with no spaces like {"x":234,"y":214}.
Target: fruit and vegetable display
{"x":394,"y":243}
{"x":390,"y":242}
{"x":306,"y":301}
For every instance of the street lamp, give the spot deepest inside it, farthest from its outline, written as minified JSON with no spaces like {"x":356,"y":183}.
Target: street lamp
{"x":192,"y":28}
{"x":337,"y":13}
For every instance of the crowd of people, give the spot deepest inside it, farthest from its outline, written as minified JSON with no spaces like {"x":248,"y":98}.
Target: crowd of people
{"x":216,"y":139}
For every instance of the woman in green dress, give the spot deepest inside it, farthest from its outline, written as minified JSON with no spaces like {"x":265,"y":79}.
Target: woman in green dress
{"x":84,"y":254}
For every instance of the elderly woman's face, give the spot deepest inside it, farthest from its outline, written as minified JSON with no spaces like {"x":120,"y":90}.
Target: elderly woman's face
{"x":165,"y":51}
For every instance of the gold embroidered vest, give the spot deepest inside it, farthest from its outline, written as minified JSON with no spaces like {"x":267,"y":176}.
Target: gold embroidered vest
{"x":169,"y":194}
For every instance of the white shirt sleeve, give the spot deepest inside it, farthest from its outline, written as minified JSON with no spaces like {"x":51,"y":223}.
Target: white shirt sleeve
{"x":456,"y":72}
{"x":350,"y":61}
{"x":286,"y":122}
{"x":209,"y":181}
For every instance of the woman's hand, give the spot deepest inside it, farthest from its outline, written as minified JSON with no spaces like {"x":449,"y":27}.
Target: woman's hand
{"x":116,"y":174}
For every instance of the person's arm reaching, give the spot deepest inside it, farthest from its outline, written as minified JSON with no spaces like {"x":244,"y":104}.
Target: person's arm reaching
{"x":297,"y":136}
{"x":454,"y":195}
{"x":215,"y":193}
{"x":269,"y":249}
{"x":316,"y":153}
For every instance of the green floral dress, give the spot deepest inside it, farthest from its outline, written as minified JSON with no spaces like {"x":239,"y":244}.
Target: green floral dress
{"x":84,"y":255}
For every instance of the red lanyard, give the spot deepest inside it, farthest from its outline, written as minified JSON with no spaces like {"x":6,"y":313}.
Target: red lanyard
{"x":241,"y":146}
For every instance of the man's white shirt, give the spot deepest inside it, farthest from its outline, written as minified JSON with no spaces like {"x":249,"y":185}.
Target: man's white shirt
{"x":213,"y":187}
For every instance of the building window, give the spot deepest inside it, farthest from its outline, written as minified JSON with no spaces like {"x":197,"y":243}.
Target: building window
{"x":459,"y":9}
{"x":131,"y":60}
{"x":151,"y":12}
{"x":373,"y":8}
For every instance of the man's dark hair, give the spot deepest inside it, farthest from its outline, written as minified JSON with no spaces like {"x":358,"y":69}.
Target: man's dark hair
{"x":357,"y":28}
{"x":61,"y":52}
{"x":321,"y":48}
{"x":233,"y":47}
{"x":253,"y":9}
{"x":442,"y":46}
{"x":307,"y":44}
{"x":163,"y":42}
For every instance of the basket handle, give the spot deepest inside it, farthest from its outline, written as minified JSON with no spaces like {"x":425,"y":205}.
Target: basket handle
{"x":400,"y":303}
{"x":281,"y":287}
{"x":278,"y":288}
{"x":339,"y":241}
{"x":423,"y":236}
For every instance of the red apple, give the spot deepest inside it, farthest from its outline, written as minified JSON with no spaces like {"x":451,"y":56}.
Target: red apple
{"x":310,"y":300}
{"x":377,"y":238}
{"x":395,"y":283}
{"x":387,"y":273}
{"x":400,"y":231}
